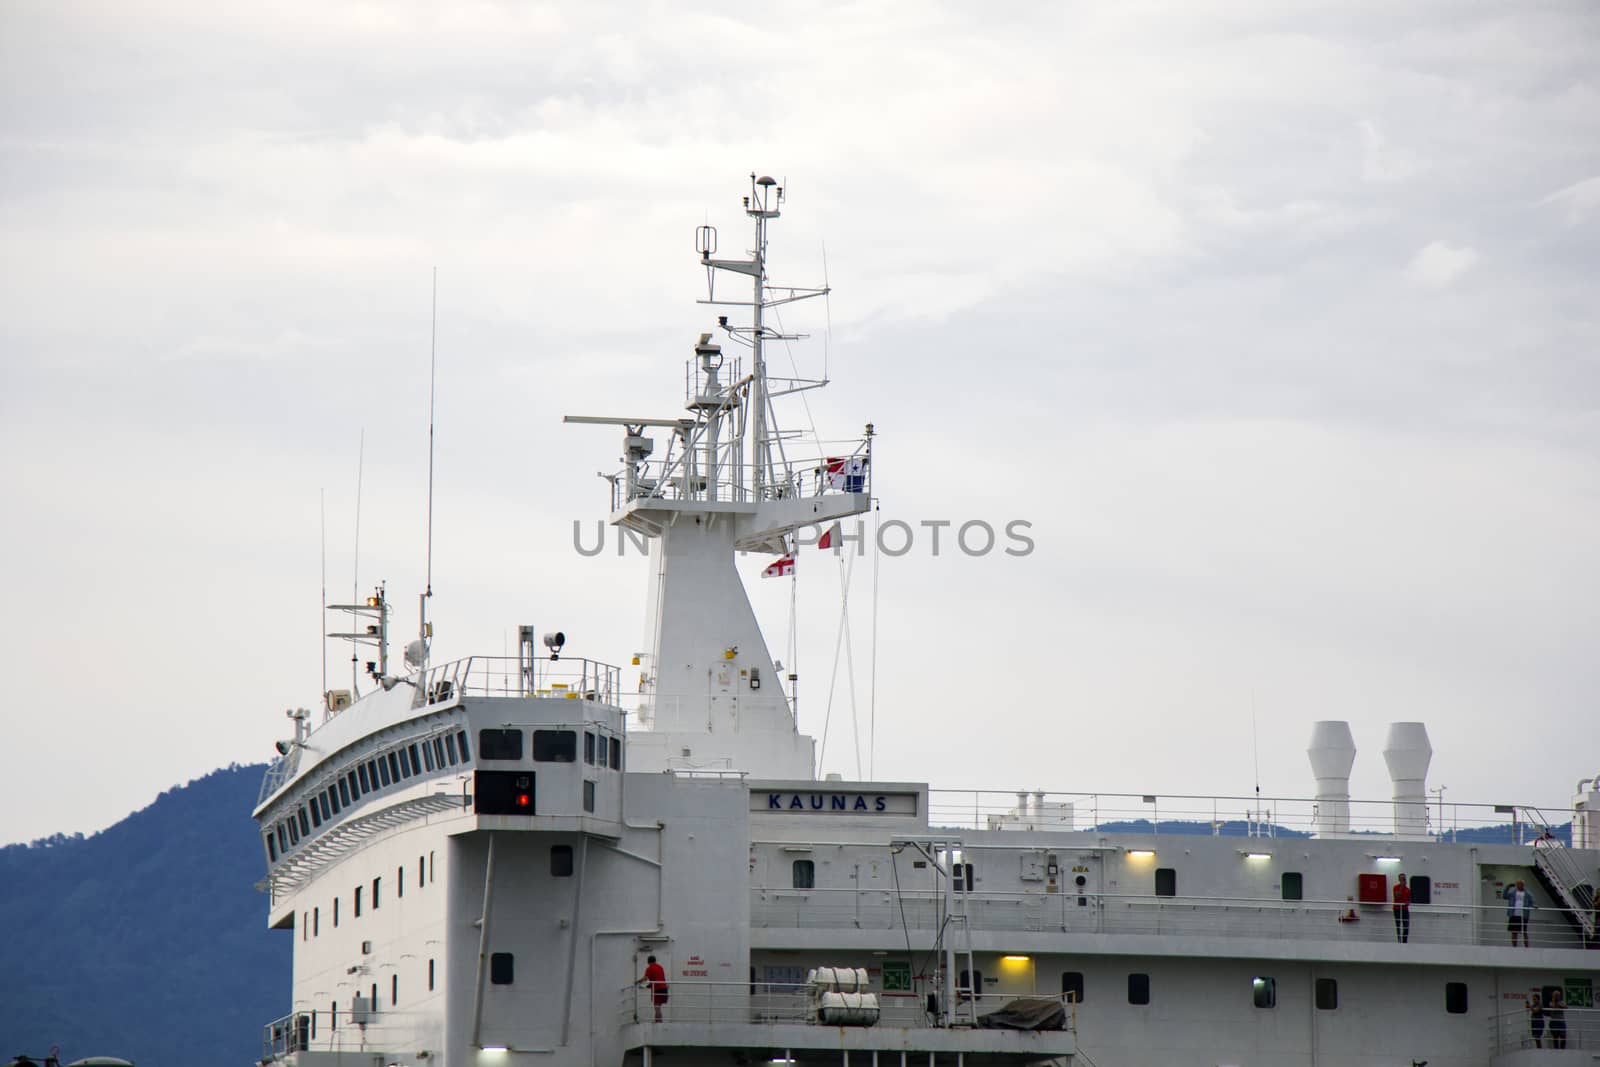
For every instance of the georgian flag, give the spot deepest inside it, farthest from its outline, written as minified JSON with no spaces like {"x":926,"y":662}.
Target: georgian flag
{"x":847,"y":473}
{"x":779,"y":568}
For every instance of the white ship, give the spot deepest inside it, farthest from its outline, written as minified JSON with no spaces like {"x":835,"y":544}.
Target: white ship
{"x":477,"y":860}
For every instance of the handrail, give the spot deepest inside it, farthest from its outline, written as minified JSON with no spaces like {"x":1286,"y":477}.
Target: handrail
{"x":1574,"y":1028}
{"x":712,"y":1001}
{"x":1463,"y":924}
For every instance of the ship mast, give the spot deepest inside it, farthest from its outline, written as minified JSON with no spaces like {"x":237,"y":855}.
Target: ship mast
{"x":724,"y":484}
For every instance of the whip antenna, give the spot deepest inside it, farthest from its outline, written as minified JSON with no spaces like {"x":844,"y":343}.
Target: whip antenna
{"x":425,"y":630}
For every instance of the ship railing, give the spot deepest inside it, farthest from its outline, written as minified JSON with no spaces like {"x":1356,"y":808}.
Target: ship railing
{"x":1220,"y":816}
{"x":506,"y":676}
{"x":1578,"y":1028}
{"x":771,"y":1003}
{"x":341,"y":1030}
{"x":279,"y":771}
{"x":1125,"y":913}
{"x":845,"y":470}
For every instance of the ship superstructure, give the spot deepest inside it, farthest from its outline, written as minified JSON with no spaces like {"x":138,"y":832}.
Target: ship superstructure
{"x":478,"y":859}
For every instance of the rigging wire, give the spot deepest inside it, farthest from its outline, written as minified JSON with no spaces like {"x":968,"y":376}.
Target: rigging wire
{"x":322,"y":621}
{"x":355,"y":567}
{"x":872,"y":685}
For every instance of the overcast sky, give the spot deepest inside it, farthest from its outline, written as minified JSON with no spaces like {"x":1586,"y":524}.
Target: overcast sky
{"x":1277,"y":322}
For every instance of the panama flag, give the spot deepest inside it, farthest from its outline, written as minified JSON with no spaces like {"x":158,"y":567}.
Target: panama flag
{"x":848,"y":473}
{"x":830,"y":537}
{"x":779,"y":568}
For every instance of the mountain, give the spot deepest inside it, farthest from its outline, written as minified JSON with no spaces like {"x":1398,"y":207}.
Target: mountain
{"x":147,"y":940}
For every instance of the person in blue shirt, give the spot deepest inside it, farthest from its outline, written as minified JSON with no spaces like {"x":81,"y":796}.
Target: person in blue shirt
{"x":1519,"y":910}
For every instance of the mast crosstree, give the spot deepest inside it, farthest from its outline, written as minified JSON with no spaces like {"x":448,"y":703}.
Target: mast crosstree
{"x":724,"y":484}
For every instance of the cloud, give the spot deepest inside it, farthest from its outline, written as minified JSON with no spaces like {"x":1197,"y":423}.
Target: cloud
{"x":1580,"y":200}
{"x":1439,"y":264}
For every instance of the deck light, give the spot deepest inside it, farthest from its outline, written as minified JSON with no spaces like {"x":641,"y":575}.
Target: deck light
{"x":1387,"y":859}
{"x":1016,"y":959}
{"x":1141,"y":853}
{"x":1258,"y":855}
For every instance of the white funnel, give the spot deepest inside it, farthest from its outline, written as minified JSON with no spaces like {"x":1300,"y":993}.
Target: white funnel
{"x":1332,"y":753}
{"x":1408,"y":753}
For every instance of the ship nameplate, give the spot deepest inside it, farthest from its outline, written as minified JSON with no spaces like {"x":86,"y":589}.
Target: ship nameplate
{"x":832,"y":802}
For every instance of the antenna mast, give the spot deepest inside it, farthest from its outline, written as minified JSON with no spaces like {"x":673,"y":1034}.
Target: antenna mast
{"x":355,"y":566}
{"x":425,"y":629}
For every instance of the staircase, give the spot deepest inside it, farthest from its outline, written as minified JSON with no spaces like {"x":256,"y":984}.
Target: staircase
{"x":1564,"y":877}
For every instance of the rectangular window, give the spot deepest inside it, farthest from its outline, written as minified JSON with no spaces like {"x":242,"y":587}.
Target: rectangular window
{"x":344,"y":793}
{"x":374,"y":1001}
{"x":804,"y":874}
{"x":333,"y":1016}
{"x":588,"y":747}
{"x":361,"y":773}
{"x":335,"y":912}
{"x":394,"y":768}
{"x":400,"y":881}
{"x":461,"y":744}
{"x":1138,"y":989}
{"x":383,"y":771}
{"x":294,"y":827}
{"x":450,"y":748}
{"x":394,"y":990}
{"x":966,"y":982}
{"x":555,"y":746}
{"x":1072,"y":986}
{"x":358,"y":902}
{"x":430,"y":866}
{"x":616,"y":753}
{"x":316,"y":817}
{"x":316,"y":922}
{"x":1421,"y":888}
{"x":332,"y":801}
{"x":1264,"y":992}
{"x":355,"y":790}
{"x":427,"y":755}
{"x":561,"y":861}
{"x":438,"y":754}
{"x":375,"y":882}
{"x":272,"y":848}
{"x":500,"y":744}
{"x":600,"y":753}
{"x":305,"y":927}
{"x":416,"y":761}
{"x":283,"y":838}
{"x":501,"y":968}
{"x":1166,"y":882}
{"x":1327,"y":994}
{"x":1293,"y":886}
{"x":1455,"y":998}
{"x":588,"y":797}
{"x":313,"y":1024}
{"x":324,"y":801}
{"x":430,"y":976}
{"x":964,"y":881}
{"x":422,"y":871}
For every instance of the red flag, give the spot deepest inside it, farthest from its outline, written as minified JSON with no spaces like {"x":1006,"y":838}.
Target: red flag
{"x":779,"y":568}
{"x":829,"y":537}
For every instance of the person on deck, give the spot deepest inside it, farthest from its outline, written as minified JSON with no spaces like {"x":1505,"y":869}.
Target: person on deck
{"x":1519,"y":911}
{"x":656,"y":976}
{"x":1536,"y":1020}
{"x":1402,"y":910}
{"x":1555,"y":1016}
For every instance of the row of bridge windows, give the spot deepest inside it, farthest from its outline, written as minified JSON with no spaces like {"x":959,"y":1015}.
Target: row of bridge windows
{"x":380,"y":772}
{"x":551,"y":746}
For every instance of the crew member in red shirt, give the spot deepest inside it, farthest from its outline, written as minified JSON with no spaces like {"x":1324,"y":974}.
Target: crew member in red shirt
{"x":656,"y":977}
{"x":1402,"y":910}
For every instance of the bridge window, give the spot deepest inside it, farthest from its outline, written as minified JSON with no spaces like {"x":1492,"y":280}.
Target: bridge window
{"x":1072,"y":986}
{"x":600,"y":756}
{"x":416,"y":761}
{"x":344,"y":793}
{"x":438,"y":754}
{"x":1264,"y":992}
{"x":805,"y":874}
{"x":283,"y":838}
{"x":394,"y":768}
{"x":330,"y":802}
{"x":1327,"y":994}
{"x":588,"y":797}
{"x":616,"y":753}
{"x":561,"y":861}
{"x":501,"y":968}
{"x":427,"y":755}
{"x":1166,"y":882}
{"x":588,"y":747}
{"x":450,"y":748}
{"x":361,"y":772}
{"x":1293,"y":886}
{"x":272,"y":848}
{"x":383,"y":771}
{"x":461,"y":743}
{"x":555,"y":746}
{"x":1138,"y":989}
{"x":316,"y":816}
{"x":1455,"y":998}
{"x":500,"y":744}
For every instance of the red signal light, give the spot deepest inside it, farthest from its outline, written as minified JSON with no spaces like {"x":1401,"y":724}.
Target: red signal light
{"x":523,"y":800}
